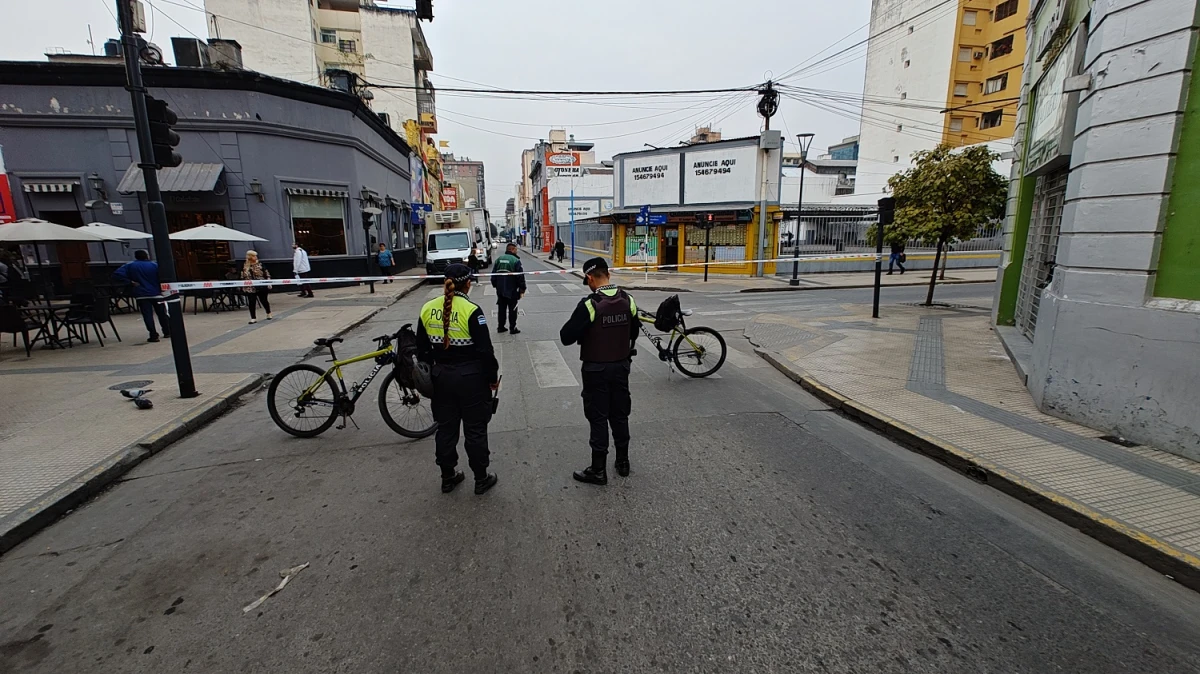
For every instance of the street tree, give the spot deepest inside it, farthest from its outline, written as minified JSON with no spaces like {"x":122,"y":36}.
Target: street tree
{"x":948,"y":195}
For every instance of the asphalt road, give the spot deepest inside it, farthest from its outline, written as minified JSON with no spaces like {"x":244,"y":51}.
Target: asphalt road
{"x":759,"y":532}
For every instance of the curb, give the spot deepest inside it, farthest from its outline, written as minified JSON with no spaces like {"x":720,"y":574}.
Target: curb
{"x":46,"y":510}
{"x":1178,"y":565}
{"x":925,"y":283}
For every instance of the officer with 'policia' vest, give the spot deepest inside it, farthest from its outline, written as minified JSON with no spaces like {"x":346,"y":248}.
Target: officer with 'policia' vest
{"x":606,"y":327}
{"x":453,"y":336}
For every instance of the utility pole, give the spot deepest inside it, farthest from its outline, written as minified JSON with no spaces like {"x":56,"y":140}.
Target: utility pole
{"x":805,"y":140}
{"x":768,"y":105}
{"x":887,"y":215}
{"x":131,"y":46}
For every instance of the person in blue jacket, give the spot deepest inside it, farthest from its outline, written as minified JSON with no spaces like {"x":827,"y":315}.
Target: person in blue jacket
{"x":142,"y":273}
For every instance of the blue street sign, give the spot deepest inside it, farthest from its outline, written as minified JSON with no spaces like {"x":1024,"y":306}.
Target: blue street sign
{"x":644,"y":211}
{"x":658,"y":219}
{"x":418,"y":206}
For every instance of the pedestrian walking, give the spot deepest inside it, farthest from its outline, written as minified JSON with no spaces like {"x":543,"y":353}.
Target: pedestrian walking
{"x":300,"y":268}
{"x":473,"y":261}
{"x":387,"y":265}
{"x":509,"y":281}
{"x":897,"y":257}
{"x":253,"y":270}
{"x":559,"y":250}
{"x":452,"y":336}
{"x":605,"y":326}
{"x":142,"y":273}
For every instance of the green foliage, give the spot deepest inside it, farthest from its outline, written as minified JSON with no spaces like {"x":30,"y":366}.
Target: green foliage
{"x":892,"y":235}
{"x":948,"y":195}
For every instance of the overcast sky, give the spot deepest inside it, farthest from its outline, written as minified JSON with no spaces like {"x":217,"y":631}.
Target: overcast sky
{"x":571,"y":45}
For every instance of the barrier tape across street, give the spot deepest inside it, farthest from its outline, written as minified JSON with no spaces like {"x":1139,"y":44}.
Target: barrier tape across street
{"x":171,"y":288}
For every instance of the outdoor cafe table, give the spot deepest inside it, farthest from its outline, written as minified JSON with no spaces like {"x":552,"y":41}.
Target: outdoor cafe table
{"x":47,"y":316}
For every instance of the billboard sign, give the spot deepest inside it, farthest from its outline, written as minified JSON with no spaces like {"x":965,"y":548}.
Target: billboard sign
{"x":558,"y":159}
{"x":583,"y":208}
{"x":650,"y":180}
{"x":721,"y":174}
{"x":449,"y":198}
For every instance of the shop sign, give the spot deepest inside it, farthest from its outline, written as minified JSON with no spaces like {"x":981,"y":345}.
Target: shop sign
{"x":8,"y":210}
{"x":720,"y":175}
{"x":450,"y":198}
{"x":641,"y":248}
{"x":582,"y":209}
{"x":555,"y":159}
{"x":652,"y":180}
{"x":567,"y":171}
{"x":1052,"y":125}
{"x":116,"y":207}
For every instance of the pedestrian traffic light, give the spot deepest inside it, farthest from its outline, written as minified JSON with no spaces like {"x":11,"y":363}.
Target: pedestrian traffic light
{"x":162,"y":135}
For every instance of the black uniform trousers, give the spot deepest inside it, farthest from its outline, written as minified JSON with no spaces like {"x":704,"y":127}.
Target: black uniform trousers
{"x":504,"y":304}
{"x":606,"y":403}
{"x":461,"y":395}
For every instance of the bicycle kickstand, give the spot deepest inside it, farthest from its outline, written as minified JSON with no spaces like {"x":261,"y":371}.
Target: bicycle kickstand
{"x":346,"y":418}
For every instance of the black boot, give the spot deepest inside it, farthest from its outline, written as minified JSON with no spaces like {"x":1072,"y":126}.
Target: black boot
{"x":622,"y":463}
{"x":449,"y":482}
{"x":485,"y":483}
{"x":597,"y":473}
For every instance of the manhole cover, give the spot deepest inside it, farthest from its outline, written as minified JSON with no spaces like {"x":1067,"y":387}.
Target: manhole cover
{"x":138,"y":383}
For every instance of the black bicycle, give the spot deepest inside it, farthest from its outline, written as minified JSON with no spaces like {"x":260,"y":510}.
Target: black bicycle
{"x":697,"y":352}
{"x":305,"y":400}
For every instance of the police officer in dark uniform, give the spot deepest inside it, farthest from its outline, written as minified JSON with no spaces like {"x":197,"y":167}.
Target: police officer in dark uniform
{"x":605,"y":326}
{"x":452,"y":335}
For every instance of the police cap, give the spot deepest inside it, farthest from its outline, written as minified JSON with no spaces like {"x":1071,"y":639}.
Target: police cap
{"x":458,"y":272}
{"x":596,"y":264}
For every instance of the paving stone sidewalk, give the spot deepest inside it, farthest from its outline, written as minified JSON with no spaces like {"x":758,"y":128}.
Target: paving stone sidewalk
{"x":65,"y":430}
{"x":940,"y":380}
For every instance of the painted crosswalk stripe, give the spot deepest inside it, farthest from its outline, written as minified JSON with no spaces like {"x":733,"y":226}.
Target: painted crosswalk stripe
{"x":549,"y":366}
{"x":547,"y":289}
{"x":572,"y":289}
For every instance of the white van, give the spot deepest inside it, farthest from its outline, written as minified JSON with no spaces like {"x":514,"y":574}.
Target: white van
{"x":447,"y":246}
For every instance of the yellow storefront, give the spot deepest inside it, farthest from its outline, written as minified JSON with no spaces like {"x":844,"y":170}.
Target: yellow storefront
{"x":665,"y":197}
{"x":732,"y":241}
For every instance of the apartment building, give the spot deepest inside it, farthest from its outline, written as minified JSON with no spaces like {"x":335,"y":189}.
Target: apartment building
{"x":303,"y":40}
{"x":937,"y":72}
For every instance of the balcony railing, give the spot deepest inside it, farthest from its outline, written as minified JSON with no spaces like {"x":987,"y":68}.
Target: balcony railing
{"x":426,"y":111}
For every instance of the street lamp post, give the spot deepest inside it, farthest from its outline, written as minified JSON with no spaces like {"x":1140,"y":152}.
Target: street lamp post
{"x":805,"y":141}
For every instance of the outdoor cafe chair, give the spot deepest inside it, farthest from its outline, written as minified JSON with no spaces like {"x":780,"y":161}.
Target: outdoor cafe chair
{"x":13,"y":320}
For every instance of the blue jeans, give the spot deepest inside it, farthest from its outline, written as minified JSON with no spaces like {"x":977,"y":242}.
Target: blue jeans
{"x":895,"y":260}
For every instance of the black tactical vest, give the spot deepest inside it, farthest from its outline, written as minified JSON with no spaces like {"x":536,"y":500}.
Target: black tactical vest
{"x":607,"y":338}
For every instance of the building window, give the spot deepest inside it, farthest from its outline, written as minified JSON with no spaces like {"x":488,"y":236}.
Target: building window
{"x":899,"y":127}
{"x":994,"y":84}
{"x":385,"y":118}
{"x":1006,"y":9}
{"x":964,"y":54}
{"x":328,"y":36}
{"x":969,"y":18}
{"x":960,"y":88}
{"x":906,"y":63}
{"x":347,"y":46}
{"x":903,"y":96}
{"x":956,"y":123}
{"x":1002,"y":47}
{"x":990,"y":120}
{"x":319,"y":224}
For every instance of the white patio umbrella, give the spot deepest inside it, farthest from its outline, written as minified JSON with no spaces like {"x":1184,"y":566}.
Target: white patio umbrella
{"x":119,"y":233}
{"x":36,"y":230}
{"x":213,"y":232}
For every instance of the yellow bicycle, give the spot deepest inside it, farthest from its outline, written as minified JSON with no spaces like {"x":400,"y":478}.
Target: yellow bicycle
{"x":305,"y":400}
{"x":697,"y":352}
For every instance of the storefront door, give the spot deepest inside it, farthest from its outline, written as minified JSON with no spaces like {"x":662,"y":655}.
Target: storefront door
{"x":1040,"y":247}
{"x":198,"y":260}
{"x":73,"y":256}
{"x":669,"y":253}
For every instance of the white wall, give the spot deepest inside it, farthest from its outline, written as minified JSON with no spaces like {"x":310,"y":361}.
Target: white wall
{"x":818,"y":188}
{"x":930,"y":50}
{"x":388,"y":44}
{"x":292,"y":58}
{"x":590,"y":185}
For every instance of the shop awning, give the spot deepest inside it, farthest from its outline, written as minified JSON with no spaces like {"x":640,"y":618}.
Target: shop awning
{"x":186,"y":177}
{"x":49,"y":185}
{"x":315,"y":192}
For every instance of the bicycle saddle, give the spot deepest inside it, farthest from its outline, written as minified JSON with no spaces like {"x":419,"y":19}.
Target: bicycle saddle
{"x":327,"y":341}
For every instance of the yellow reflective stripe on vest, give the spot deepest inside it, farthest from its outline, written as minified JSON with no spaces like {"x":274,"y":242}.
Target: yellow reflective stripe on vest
{"x":608,"y":292}
{"x":460,"y":326}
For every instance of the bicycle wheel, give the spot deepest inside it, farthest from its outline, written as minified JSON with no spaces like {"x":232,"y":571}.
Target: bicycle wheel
{"x":699,"y":352}
{"x":304,"y":416}
{"x":405,"y":411}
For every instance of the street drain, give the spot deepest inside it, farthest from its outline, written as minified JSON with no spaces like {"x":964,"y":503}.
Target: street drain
{"x":139,"y":383}
{"x":1117,"y":440}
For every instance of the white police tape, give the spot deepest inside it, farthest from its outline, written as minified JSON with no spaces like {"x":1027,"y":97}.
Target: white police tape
{"x":171,"y":288}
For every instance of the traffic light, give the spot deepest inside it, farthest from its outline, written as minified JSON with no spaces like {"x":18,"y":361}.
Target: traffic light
{"x":162,"y":135}
{"x":704,"y":220}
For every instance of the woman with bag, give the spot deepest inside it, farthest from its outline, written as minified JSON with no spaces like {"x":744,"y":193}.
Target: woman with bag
{"x":253,"y":270}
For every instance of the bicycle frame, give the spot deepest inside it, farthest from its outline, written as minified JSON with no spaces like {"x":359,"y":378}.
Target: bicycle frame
{"x":357,"y":390}
{"x":657,"y":339}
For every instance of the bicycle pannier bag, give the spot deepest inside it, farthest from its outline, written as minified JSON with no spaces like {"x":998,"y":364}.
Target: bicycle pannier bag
{"x":668,"y":314}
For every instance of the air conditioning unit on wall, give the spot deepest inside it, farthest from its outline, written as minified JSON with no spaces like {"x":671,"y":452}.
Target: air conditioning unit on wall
{"x":978,"y":54}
